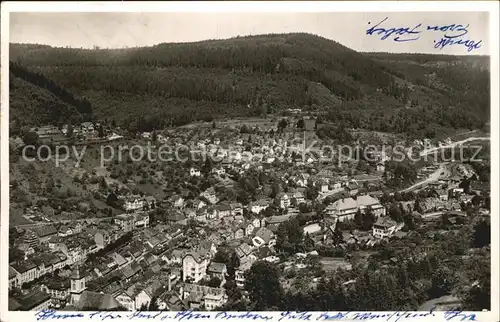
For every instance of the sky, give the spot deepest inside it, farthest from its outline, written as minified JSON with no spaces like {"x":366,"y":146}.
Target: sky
{"x":118,"y":30}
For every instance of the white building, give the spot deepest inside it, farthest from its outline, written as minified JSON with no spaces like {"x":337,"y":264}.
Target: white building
{"x":385,"y":227}
{"x":194,"y":172}
{"x":194,"y":266}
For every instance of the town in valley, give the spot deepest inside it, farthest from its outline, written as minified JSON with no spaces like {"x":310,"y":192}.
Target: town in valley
{"x":245,"y":209}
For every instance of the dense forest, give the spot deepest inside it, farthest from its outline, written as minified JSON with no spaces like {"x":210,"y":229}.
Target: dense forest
{"x":174,"y":84}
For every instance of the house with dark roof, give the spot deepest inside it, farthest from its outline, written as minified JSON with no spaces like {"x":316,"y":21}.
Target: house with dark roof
{"x":26,"y":272}
{"x":58,"y":289}
{"x":34,"y":301}
{"x":385,"y":227}
{"x":14,"y":305}
{"x":200,"y":296}
{"x":130,"y":271}
{"x":94,"y":301}
{"x":44,"y":233}
{"x":223,"y":210}
{"x":144,"y":297}
{"x":218,"y":270}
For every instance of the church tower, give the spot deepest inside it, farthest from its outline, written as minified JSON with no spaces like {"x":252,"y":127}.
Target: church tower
{"x":77,"y":285}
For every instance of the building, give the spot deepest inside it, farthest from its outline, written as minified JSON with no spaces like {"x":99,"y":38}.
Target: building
{"x":34,"y":301}
{"x":210,"y":195}
{"x":194,"y":172}
{"x":218,"y":270}
{"x":236,"y":208}
{"x":239,"y":274}
{"x":194,"y":266}
{"x":238,"y":232}
{"x":310,"y":125}
{"x":103,"y":238}
{"x":31,"y":239}
{"x":59,"y":291}
{"x":223,"y":210}
{"x":144,"y":298}
{"x":366,"y":202}
{"x":126,"y":300}
{"x":25,"y":272}
{"x":44,"y":233}
{"x":343,"y":209}
{"x":95,"y":301}
{"x":259,"y":205}
{"x":283,"y":200}
{"x":199,"y":296}
{"x":134,"y":203}
{"x":77,"y":286}
{"x":299,"y":197}
{"x":12,"y":278}
{"x":125,"y":221}
{"x":264,"y":237}
{"x":385,"y":227}
{"x":141,"y":220}
{"x":346,"y":208}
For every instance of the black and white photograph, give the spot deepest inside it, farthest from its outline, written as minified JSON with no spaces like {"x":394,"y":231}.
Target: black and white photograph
{"x":242,"y":162}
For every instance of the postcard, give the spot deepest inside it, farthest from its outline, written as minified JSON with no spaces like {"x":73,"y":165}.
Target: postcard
{"x":249,"y":161}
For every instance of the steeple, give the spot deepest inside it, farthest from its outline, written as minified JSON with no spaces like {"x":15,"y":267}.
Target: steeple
{"x":77,"y":285}
{"x":75,"y":275}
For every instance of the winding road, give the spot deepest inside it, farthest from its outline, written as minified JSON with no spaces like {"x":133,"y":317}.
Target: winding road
{"x":436,"y":175}
{"x":67,"y":221}
{"x":451,"y":145}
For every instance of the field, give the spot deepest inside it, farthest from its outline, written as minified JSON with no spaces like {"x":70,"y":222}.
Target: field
{"x":263,"y":123}
{"x":331,"y":264}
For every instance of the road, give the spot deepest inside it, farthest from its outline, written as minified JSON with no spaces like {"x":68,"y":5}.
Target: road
{"x":436,"y":175}
{"x":39,"y":224}
{"x":451,"y":145}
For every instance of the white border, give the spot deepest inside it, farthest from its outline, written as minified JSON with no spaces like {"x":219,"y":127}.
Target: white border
{"x":365,"y":6}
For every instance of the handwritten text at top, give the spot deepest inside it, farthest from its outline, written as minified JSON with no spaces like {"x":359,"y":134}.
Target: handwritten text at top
{"x":452,"y":34}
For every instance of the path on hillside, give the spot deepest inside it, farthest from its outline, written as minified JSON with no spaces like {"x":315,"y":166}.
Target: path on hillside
{"x":451,"y":145}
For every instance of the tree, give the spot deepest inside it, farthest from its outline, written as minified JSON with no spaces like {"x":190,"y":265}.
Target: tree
{"x":482,"y":235}
{"x":154,"y":136}
{"x":275,"y":189}
{"x":263,"y":285}
{"x":395,"y":212}
{"x":417,"y":206}
{"x":208,"y":166}
{"x":222,"y":256}
{"x":111,"y":200}
{"x":300,"y":124}
{"x":214,"y":126}
{"x":30,"y":138}
{"x":214,"y":282}
{"x":337,"y":237}
{"x":244,"y":129}
{"x":465,"y":184}
{"x":100,"y":131}
{"x":153,"y":305}
{"x":232,"y":291}
{"x":233,"y":264}
{"x":290,"y":236}
{"x":282,"y":124}
{"x":70,"y":131}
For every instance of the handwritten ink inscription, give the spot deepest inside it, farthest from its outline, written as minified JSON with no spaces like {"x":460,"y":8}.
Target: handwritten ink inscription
{"x":397,"y":316}
{"x":452,"y":34}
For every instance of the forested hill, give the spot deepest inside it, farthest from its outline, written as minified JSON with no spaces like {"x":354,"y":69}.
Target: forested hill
{"x":179,"y":83}
{"x":36,"y":100}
